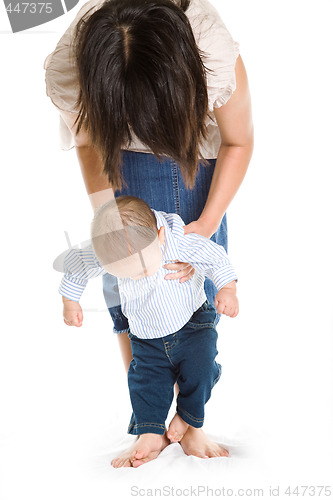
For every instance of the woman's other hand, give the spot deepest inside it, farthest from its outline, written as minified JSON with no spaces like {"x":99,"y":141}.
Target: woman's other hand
{"x":183,"y":271}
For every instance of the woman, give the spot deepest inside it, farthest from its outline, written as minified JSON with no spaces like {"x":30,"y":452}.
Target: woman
{"x":145,"y":88}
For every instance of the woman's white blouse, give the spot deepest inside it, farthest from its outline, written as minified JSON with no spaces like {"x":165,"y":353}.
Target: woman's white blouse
{"x":213,"y":39}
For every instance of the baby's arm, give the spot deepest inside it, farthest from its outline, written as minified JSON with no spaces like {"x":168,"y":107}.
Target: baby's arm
{"x":211,"y":259}
{"x":72,"y":312}
{"x":79,"y":265}
{"x":226,"y":301}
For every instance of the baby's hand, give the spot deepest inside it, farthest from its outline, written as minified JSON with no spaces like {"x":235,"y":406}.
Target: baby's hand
{"x":73,"y":315}
{"x":226,"y":301}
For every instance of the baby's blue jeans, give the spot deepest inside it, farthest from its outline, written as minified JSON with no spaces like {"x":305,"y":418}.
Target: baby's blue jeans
{"x":160,"y":184}
{"x":186,"y":357}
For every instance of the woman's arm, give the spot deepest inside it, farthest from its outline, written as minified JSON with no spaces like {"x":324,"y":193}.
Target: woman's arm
{"x":235,"y":124}
{"x":97,"y":185}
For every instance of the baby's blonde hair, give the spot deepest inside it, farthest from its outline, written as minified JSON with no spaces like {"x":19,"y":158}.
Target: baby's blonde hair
{"x":122,"y":227}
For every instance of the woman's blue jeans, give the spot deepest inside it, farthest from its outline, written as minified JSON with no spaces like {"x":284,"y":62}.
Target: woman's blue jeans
{"x":186,"y":357}
{"x":160,"y":184}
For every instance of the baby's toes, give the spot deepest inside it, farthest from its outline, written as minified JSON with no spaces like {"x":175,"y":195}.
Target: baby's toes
{"x":138,"y":455}
{"x":115,"y":462}
{"x":137,"y":463}
{"x":175,"y":437}
{"x":222,"y":452}
{"x":170,"y":435}
{"x":126,"y":463}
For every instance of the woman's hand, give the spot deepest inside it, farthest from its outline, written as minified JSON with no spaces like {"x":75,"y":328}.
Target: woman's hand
{"x":184,"y":271}
{"x":200,"y":226}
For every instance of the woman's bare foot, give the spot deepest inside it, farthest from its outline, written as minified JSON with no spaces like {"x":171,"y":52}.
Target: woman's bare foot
{"x":195,"y":442}
{"x":146,"y":448}
{"x":177,"y":429}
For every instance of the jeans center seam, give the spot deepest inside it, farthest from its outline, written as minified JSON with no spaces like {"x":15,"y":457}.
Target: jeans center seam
{"x":176,"y":187}
{"x":167,"y":349}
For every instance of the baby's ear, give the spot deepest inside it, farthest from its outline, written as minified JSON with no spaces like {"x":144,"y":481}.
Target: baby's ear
{"x":161,"y":235}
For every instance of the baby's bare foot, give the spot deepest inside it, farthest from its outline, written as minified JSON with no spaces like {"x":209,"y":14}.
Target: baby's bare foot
{"x":177,"y":429}
{"x":195,"y":442}
{"x":124,"y":459}
{"x":146,"y":448}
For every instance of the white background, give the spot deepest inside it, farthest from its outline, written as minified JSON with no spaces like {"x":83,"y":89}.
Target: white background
{"x":63,"y":391}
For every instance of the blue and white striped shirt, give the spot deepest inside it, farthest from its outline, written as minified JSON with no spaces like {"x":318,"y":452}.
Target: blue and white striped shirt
{"x":156,"y":307}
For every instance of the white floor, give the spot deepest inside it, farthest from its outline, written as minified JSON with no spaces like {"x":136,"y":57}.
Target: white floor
{"x":66,"y":409}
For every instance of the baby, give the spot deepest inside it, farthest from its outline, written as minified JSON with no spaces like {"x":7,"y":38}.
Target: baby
{"x":171,"y":324}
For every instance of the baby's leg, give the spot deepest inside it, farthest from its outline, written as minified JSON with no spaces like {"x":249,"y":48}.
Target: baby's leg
{"x":199,"y":372}
{"x":150,"y":379}
{"x":146,"y":448}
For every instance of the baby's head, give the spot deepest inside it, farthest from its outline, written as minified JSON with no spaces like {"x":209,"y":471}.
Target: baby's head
{"x":125,"y":238}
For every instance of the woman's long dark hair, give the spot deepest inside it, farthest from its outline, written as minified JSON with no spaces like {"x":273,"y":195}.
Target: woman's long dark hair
{"x":140,"y":72}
